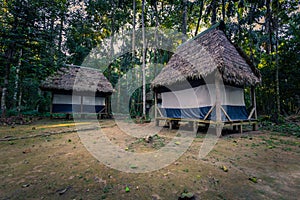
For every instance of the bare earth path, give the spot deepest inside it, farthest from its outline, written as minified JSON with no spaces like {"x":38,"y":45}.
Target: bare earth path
{"x":261,"y":165}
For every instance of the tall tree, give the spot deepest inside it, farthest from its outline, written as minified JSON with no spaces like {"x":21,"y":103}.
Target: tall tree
{"x":144,"y":59}
{"x":200,"y":16}
{"x":184,"y":17}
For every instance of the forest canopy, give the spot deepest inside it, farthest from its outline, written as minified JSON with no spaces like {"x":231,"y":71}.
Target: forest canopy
{"x":39,"y":37}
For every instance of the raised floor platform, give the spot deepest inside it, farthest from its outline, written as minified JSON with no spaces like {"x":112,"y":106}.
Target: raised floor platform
{"x":172,"y":122}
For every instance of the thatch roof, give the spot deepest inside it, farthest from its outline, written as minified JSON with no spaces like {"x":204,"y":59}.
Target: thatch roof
{"x":209,"y":51}
{"x":79,"y":79}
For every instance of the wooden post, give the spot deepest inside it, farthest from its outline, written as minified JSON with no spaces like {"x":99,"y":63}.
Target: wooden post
{"x":240,"y":128}
{"x":106,"y":107}
{"x":51,"y":106}
{"x":234,"y":128}
{"x":218,"y":79}
{"x":68,"y":116}
{"x":195,"y":127}
{"x":81,"y":106}
{"x":253,"y":101}
{"x":155,"y":109}
{"x":170,"y":124}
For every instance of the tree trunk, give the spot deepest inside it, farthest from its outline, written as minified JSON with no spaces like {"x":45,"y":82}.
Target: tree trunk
{"x":156,"y":39}
{"x":269,"y":49}
{"x":19,"y":102}
{"x":9,"y":55}
{"x":144,"y":59}
{"x":223,"y":10}
{"x":132,"y":100}
{"x":184,"y":19}
{"x":200,"y":16}
{"x":60,"y":39}
{"x":109,"y":68}
{"x":16,"y":86}
{"x":133,"y":30}
{"x":214,"y":12}
{"x":277,"y":66}
{"x":16,"y":90}
{"x":3,"y":96}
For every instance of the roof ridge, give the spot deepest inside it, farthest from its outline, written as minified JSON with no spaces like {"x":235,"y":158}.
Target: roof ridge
{"x":79,"y":66}
{"x":224,"y":54}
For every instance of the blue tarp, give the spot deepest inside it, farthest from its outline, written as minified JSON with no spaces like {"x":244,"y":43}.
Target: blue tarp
{"x":234,"y":112}
{"x":76,"y":108}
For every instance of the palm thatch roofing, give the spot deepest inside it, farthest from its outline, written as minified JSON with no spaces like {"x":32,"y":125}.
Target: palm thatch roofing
{"x":209,"y":51}
{"x":78,"y":79}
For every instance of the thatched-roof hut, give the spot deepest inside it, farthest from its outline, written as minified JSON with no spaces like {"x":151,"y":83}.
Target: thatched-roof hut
{"x":78,"y":89}
{"x":196,"y":72}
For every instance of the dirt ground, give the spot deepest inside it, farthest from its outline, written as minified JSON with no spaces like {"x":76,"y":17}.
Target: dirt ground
{"x":47,"y":160}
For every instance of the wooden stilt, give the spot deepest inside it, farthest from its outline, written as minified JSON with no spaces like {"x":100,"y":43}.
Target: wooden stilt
{"x":155,"y":110}
{"x":219,"y":127}
{"x":195,"y":127}
{"x":51,"y":106}
{"x":253,"y":100}
{"x":155,"y":105}
{"x":240,"y":128}
{"x":170,"y":125}
{"x":68,"y":116}
{"x":156,"y":122}
{"x":106,"y":108}
{"x":234,"y":128}
{"x":81,"y":106}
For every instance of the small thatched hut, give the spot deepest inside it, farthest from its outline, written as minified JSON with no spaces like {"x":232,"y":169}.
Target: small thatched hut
{"x":204,"y":82}
{"x":78,"y":89}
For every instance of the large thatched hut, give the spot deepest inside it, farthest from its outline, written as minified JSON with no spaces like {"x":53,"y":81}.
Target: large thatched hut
{"x":204,"y":82}
{"x":78,"y":89}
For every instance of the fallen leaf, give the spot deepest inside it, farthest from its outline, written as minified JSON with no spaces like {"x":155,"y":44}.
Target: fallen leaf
{"x":224,"y":168}
{"x":253,"y":179}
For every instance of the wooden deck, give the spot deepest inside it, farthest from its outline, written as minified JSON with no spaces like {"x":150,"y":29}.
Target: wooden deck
{"x":172,"y":122}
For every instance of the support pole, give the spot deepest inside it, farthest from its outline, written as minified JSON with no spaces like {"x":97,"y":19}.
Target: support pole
{"x":195,"y":127}
{"x":234,"y":128}
{"x":51,"y":106}
{"x":106,"y":107}
{"x":253,"y":101}
{"x":240,"y":127}
{"x":81,"y":107}
{"x":219,"y":127}
{"x":155,"y":110}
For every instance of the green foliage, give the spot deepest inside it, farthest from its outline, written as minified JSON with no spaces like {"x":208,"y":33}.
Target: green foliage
{"x":38,"y":37}
{"x":286,"y":128}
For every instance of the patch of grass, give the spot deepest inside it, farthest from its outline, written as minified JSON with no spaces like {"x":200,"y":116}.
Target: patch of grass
{"x":287,"y":149}
{"x":107,"y":188}
{"x":186,"y":170}
{"x":133,"y":167}
{"x":288,"y":142}
{"x":186,"y":194}
{"x":253,"y":145}
{"x":285,"y":128}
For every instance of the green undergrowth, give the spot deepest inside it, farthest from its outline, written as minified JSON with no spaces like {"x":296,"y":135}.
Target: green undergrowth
{"x":287,"y":128}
